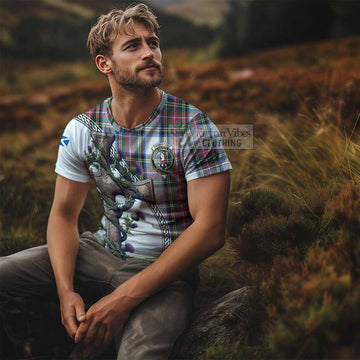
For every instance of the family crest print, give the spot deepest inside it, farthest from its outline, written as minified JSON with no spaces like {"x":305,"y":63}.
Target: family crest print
{"x":113,"y":177}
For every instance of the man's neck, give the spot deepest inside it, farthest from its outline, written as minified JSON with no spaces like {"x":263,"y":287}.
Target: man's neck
{"x":131,"y":108}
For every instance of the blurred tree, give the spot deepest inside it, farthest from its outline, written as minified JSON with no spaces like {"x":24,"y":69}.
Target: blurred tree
{"x":346,"y":17}
{"x":277,"y":22}
{"x":179,"y":32}
{"x":233,"y":31}
{"x":60,"y":39}
{"x":256,"y":24}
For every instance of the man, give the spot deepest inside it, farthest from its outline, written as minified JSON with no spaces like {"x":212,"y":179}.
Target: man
{"x":164,"y":189}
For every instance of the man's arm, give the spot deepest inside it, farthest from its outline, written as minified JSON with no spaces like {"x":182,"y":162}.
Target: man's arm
{"x":63,"y":243}
{"x":208,"y":200}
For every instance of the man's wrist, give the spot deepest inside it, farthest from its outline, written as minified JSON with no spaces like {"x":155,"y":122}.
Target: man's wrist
{"x":63,"y":291}
{"x":127,"y":299}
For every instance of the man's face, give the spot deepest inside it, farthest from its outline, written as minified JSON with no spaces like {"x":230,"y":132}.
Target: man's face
{"x":136,"y":59}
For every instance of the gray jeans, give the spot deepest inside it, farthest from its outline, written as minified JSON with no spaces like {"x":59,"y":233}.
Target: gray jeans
{"x":152,"y":328}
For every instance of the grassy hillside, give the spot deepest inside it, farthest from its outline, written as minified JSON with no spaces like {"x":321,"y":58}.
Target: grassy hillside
{"x":293,"y":220}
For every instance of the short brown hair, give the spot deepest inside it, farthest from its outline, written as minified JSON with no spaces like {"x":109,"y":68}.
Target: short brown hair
{"x":108,"y":26}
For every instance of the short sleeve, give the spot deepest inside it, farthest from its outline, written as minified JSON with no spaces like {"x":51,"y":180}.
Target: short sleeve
{"x":202,"y":151}
{"x":72,"y":152}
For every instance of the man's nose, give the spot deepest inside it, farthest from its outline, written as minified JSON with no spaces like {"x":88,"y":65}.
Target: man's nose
{"x":147,"y":52}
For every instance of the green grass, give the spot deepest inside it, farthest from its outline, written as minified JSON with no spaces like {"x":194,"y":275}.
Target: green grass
{"x":29,"y":76}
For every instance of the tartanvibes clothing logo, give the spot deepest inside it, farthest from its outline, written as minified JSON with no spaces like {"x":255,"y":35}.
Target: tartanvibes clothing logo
{"x":162,"y":158}
{"x":227,"y":136}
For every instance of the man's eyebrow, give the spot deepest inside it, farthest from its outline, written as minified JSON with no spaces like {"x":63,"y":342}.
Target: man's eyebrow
{"x":138,"y":39}
{"x":153,"y":38}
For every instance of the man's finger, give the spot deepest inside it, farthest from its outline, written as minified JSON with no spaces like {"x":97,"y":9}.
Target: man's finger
{"x":109,"y":336}
{"x":70,"y":325}
{"x":91,"y":333}
{"x":80,"y":312}
{"x":100,"y":335}
{"x":81,"y":331}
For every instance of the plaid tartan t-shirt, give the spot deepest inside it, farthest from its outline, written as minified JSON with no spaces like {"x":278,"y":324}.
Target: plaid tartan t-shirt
{"x":141,"y":173}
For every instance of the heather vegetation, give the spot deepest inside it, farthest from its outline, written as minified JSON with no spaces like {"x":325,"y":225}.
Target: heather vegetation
{"x":293,"y":225}
{"x":294,"y":215}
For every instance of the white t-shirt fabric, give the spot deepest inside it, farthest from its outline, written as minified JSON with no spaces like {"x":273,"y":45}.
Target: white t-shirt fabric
{"x":141,"y":173}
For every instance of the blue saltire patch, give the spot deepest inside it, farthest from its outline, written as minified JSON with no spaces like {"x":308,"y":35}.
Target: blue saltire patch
{"x":64,"y":141}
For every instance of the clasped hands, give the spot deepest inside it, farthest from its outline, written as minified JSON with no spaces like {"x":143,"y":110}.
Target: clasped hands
{"x":95,"y":328}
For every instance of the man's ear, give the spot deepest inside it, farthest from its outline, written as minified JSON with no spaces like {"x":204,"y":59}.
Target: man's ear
{"x":103,"y":63}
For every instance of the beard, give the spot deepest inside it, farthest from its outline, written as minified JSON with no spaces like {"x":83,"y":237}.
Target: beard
{"x":132,"y":80}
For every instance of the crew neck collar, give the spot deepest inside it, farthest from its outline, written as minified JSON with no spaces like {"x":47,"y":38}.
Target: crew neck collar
{"x":139,"y":126}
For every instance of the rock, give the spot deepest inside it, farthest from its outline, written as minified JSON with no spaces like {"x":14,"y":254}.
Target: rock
{"x":227,"y":319}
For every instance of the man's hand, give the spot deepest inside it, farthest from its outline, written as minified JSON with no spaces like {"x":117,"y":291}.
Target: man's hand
{"x":104,"y":319}
{"x":72,"y":312}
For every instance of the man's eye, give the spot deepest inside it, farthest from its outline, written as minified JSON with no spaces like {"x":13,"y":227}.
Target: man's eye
{"x":154,"y":44}
{"x":131,"y":47}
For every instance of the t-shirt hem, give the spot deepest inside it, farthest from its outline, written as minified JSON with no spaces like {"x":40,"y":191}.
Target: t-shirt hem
{"x":208,"y":171}
{"x":71,"y":176}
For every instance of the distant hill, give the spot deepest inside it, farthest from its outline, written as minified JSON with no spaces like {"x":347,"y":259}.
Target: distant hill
{"x":203,"y":12}
{"x":14,"y":11}
{"x":58,"y":28}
